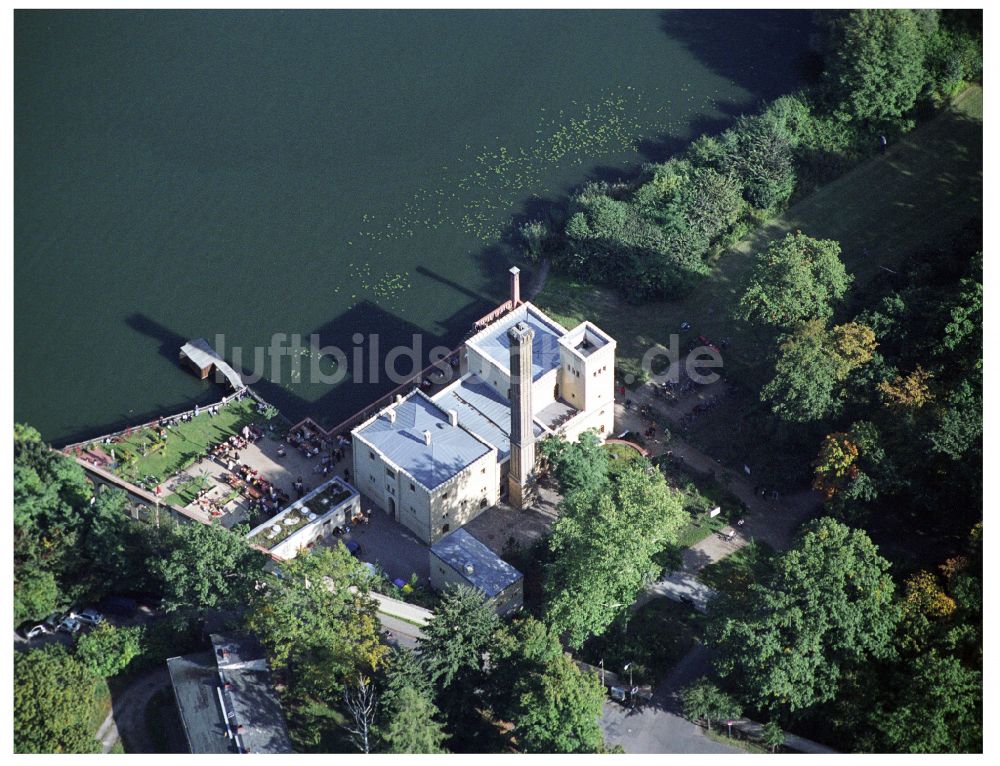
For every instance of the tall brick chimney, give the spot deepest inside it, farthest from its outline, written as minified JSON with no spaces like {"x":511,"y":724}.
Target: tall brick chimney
{"x":522,"y":432}
{"x":515,"y":287}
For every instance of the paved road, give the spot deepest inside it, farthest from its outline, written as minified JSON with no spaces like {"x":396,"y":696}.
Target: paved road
{"x":129,"y":710}
{"x":659,"y":727}
{"x":400,"y":632}
{"x":679,"y":586}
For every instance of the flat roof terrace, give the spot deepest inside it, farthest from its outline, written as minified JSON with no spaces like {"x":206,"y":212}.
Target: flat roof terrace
{"x":494,"y":344}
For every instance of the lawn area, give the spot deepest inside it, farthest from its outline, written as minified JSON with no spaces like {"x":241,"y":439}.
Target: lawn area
{"x":657,"y":636}
{"x":919,"y":195}
{"x":145,"y":458}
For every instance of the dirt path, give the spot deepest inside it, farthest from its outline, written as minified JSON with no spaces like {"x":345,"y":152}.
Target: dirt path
{"x":772,"y":520}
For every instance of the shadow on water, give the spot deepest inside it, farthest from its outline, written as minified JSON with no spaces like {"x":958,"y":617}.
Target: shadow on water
{"x":380,"y":331}
{"x":725,"y":40}
{"x":778,"y":43}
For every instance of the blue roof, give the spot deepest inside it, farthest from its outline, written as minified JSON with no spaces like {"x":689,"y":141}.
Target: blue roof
{"x":481,"y":410}
{"x":452,"y":448}
{"x":494,"y":343}
{"x":490,"y":573}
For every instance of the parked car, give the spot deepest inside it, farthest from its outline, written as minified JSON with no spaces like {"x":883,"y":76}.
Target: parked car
{"x":30,"y":630}
{"x":353,"y":547}
{"x":89,"y":616}
{"x":53,"y":620}
{"x":70,"y":625}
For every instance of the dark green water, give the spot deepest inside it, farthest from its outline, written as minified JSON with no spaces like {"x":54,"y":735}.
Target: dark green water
{"x":184,"y":174}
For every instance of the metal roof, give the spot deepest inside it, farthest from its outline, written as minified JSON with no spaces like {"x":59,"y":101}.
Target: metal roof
{"x":494,"y":343}
{"x":476,"y":563}
{"x":481,"y":410}
{"x":200,"y":352}
{"x":452,"y":448}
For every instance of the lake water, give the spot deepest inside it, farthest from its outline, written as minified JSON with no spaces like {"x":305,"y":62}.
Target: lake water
{"x":183,"y":174}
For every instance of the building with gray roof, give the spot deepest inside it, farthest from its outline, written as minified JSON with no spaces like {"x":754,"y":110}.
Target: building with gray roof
{"x":434,"y":464}
{"x":461,"y":559}
{"x":226,"y":700}
{"x":482,"y":411}
{"x":418,"y":437}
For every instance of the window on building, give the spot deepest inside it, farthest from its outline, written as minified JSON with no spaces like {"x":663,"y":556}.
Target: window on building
{"x":390,"y":472}
{"x":372,"y":478}
{"x":412,"y":488}
{"x":482,"y":503}
{"x":371,"y":454}
{"x":445,"y":528}
{"x":483,"y":471}
{"x":602,"y":429}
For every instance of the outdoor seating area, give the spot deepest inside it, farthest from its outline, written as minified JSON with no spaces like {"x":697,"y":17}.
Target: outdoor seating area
{"x":151,"y":454}
{"x":256,"y":474}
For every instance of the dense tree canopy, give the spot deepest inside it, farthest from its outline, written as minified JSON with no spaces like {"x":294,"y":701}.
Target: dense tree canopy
{"x":207,"y":565}
{"x":316,"y":619}
{"x":409,"y":719}
{"x":69,"y":543}
{"x":553,"y":705}
{"x":604,"y":540}
{"x":829,"y":601}
{"x":53,"y":698}
{"x":797,"y":278}
{"x":875,"y":61}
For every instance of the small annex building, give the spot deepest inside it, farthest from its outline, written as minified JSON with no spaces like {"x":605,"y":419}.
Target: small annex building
{"x":461,"y":559}
{"x":226,"y":700}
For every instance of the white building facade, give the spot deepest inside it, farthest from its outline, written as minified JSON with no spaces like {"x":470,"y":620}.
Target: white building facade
{"x":435,"y":463}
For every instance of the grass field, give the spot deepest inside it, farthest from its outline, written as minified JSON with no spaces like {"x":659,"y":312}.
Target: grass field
{"x":916,"y":196}
{"x":185,"y":443}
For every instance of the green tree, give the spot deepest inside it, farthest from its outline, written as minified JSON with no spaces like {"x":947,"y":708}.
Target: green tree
{"x":455,"y":641}
{"x":602,"y":547}
{"x":938,"y":708}
{"x":36,"y":593}
{"x":579,"y":465}
{"x":553,"y":705}
{"x":316,"y":619}
{"x":874,"y":62}
{"x":207,"y":565}
{"x":806,"y":376}
{"x":758,"y":151}
{"x":410,"y":719}
{"x":704,"y":701}
{"x":53,"y":697}
{"x":828,"y":602}
{"x":559,"y":709}
{"x":797,"y":278}
{"x":107,"y":650}
{"x":412,"y":725}
{"x":772,"y":735}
